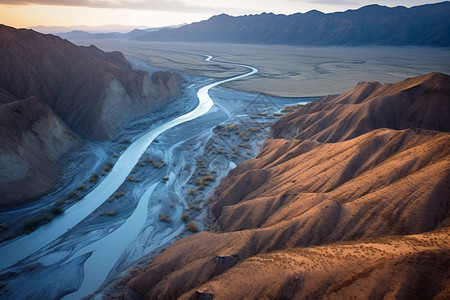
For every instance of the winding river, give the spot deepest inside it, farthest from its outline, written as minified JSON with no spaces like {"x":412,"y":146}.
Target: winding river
{"x":106,"y":251}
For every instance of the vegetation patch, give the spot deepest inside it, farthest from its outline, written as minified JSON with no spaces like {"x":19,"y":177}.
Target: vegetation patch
{"x":109,"y":213}
{"x":93,"y":178}
{"x":192,"y":226}
{"x":33,"y":223}
{"x":184,"y":217}
{"x":74,"y":195}
{"x":131,"y":178}
{"x":291,"y":108}
{"x":165,"y":218}
{"x":107,"y":167}
{"x":204,"y":181}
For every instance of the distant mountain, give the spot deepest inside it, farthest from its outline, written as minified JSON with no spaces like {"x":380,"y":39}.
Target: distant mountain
{"x":370,"y":25}
{"x":135,"y":33}
{"x":91,"y":29}
{"x":52,"y":92}
{"x":348,"y":198}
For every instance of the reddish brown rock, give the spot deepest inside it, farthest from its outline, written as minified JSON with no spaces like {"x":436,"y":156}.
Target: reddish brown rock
{"x":368,"y":169}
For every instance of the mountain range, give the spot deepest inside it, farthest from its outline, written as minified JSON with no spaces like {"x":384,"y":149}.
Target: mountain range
{"x":347,"y":198}
{"x":427,"y":25}
{"x":53,"y":94}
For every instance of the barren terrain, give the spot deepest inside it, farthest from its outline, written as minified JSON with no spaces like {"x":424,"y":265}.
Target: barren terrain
{"x":287,"y":71}
{"x":314,"y":185}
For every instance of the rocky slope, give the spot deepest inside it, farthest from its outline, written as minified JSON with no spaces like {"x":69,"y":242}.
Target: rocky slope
{"x":51,"y":91}
{"x":94,"y":92}
{"x":33,"y":138}
{"x":358,"y":169}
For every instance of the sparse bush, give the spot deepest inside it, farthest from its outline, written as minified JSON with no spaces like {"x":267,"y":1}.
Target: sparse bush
{"x":291,"y":108}
{"x":184,"y":217}
{"x":119,"y":194}
{"x":93,"y":178}
{"x":32,"y":224}
{"x":74,"y":194}
{"x":107,"y":167}
{"x":165,"y":178}
{"x":254,"y":129}
{"x":59,"y":202}
{"x":191,"y":192}
{"x":243,"y":136}
{"x":192,"y":226}
{"x":164,"y":218}
{"x":81,"y":187}
{"x":131,"y":178}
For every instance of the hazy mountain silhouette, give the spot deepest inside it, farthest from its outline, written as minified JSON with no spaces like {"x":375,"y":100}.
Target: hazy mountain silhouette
{"x":370,"y":25}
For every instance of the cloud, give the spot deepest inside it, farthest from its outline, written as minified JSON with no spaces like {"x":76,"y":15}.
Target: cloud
{"x":158,"y":5}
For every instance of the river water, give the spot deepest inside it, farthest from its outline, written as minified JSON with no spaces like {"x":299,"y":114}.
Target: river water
{"x":98,"y":257}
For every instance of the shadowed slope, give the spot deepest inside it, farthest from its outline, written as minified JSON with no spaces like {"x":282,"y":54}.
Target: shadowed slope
{"x":94,"y":92}
{"x":51,"y":88}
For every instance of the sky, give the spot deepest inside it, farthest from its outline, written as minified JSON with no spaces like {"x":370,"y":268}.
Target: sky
{"x":158,"y":13}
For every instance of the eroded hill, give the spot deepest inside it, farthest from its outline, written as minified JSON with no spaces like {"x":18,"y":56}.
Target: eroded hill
{"x":369,"y":169}
{"x":51,"y":93}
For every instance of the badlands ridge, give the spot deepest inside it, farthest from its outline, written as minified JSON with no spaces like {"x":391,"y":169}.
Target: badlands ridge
{"x":348,"y":198}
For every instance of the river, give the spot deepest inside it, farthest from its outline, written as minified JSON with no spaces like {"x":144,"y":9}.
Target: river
{"x":101,"y":255}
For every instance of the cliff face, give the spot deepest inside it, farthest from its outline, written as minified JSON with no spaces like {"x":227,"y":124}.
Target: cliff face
{"x":33,"y":138}
{"x":80,"y":90}
{"x":360,"y":169}
{"x":80,"y":83}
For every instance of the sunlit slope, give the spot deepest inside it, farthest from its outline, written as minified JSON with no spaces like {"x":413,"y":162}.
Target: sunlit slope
{"x":316,"y":183}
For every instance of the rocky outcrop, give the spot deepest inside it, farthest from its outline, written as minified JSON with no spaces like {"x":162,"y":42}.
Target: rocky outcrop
{"x":50,"y":90}
{"x":94,"y":92}
{"x":33,"y":138}
{"x":420,"y":102}
{"x":368,"y":169}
